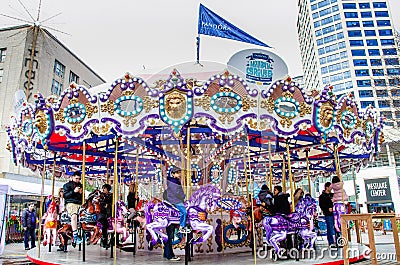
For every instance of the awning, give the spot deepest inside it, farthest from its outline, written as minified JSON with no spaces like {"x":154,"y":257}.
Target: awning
{"x":15,"y":187}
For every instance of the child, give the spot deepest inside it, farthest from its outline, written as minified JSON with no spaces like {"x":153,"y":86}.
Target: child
{"x":266,"y":198}
{"x":176,"y":196}
{"x":337,"y":187}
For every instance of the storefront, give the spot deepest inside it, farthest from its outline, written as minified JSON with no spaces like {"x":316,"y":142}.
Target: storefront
{"x":378,"y":194}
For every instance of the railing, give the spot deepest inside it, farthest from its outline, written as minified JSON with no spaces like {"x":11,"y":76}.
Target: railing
{"x":370,"y":227}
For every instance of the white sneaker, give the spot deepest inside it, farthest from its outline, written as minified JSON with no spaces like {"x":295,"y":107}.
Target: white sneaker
{"x":175,"y":258}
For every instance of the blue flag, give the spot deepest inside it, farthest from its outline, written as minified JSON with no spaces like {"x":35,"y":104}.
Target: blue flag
{"x":214,"y":25}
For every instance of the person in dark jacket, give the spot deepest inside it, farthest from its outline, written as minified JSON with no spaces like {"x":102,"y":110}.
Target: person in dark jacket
{"x":281,"y":201}
{"x":73,"y":200}
{"x":266,"y":198}
{"x":105,"y":213}
{"x":326,"y":205}
{"x":29,"y":224}
{"x":176,"y":196}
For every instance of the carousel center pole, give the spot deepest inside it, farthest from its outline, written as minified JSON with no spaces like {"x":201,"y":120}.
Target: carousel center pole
{"x":41,"y":203}
{"x":115,"y":198}
{"x":308,"y":172}
{"x":290,"y":174}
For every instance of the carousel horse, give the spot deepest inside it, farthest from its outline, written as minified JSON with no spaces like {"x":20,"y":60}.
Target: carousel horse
{"x":278,"y":226}
{"x":120,"y":214}
{"x":162,"y":214}
{"x":50,"y":224}
{"x":88,"y":215}
{"x":338,"y":209}
{"x":65,"y":232}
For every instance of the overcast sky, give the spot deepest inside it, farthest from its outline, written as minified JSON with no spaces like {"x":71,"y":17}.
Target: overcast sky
{"x":118,"y":36}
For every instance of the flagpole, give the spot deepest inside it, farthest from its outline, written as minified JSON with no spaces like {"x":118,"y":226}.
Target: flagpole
{"x":198,"y":48}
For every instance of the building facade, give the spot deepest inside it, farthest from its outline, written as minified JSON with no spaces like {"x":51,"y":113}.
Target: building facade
{"x":52,"y":68}
{"x":351,"y":45}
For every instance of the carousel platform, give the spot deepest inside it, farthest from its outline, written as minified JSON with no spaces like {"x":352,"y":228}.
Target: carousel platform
{"x":96,"y":255}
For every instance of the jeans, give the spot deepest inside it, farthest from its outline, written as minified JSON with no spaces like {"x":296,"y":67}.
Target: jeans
{"x":29,"y":232}
{"x":330,"y":229}
{"x":183,"y":213}
{"x":168,"y":251}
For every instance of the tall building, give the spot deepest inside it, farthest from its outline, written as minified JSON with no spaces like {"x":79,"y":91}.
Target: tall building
{"x":51,"y":68}
{"x":351,"y":45}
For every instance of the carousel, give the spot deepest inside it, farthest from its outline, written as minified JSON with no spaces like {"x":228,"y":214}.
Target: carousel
{"x":230,"y":130}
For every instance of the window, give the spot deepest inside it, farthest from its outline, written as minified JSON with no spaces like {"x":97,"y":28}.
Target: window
{"x":369,"y":33}
{"x":362,"y":72}
{"x":364,"y":5}
{"x":368,"y":23}
{"x":372,"y":42}
{"x":326,"y":21}
{"x":343,"y":55}
{"x":381,"y":14}
{"x":383,"y":103}
{"x":358,"y":52}
{"x":325,"y":12}
{"x":392,"y":61}
{"x":396,"y":103}
{"x":3,"y":53}
{"x":393,"y":71}
{"x":379,"y":5}
{"x":383,"y":23}
{"x":318,"y":33}
{"x":378,"y":72}
{"x":73,"y":77}
{"x":385,"y":32}
{"x":354,"y":33}
{"x":387,"y":114}
{"x":395,"y":82}
{"x":397,"y":114}
{"x":56,"y":87}
{"x":360,"y":62}
{"x":363,"y":83}
{"x":349,"y":6}
{"x":380,"y":82}
{"x":338,"y":26}
{"x":389,"y":51}
{"x":352,"y":24}
{"x":328,"y":29}
{"x":386,"y":42}
{"x":365,"y":93}
{"x":375,"y":62}
{"x":373,"y":52}
{"x":350,"y":14}
{"x":348,"y":84}
{"x":365,"y":104}
{"x":357,"y":43}
{"x":1,"y":75}
{"x":382,"y":93}
{"x":59,"y":68}
{"x":314,"y":6}
{"x":366,"y":14}
{"x":315,"y":15}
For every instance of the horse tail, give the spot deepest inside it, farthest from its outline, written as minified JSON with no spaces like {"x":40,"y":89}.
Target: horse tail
{"x":147,"y":211}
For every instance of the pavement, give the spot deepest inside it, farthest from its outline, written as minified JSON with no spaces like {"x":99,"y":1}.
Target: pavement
{"x":15,"y":253}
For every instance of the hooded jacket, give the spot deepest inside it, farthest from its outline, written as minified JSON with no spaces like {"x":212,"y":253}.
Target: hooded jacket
{"x":70,"y":196}
{"x":337,"y":192}
{"x":174,"y":192}
{"x":281,"y":203}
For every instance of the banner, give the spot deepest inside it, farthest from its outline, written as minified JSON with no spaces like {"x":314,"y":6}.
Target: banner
{"x":213,"y":25}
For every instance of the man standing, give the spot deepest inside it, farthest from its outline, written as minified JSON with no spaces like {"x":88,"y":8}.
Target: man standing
{"x":73,"y":200}
{"x":326,"y":205}
{"x":106,"y":212}
{"x":168,"y":250}
{"x":29,"y":224}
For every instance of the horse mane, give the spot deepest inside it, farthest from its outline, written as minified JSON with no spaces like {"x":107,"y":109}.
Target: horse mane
{"x":198,"y":194}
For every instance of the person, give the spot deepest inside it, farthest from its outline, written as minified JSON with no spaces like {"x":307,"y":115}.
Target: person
{"x":105,"y":213}
{"x":73,"y":200}
{"x":266,"y":198}
{"x":133,"y":200}
{"x":60,"y":201}
{"x":281,"y":201}
{"x":337,"y":187}
{"x":29,"y":224}
{"x":176,"y":196}
{"x":326,"y":205}
{"x":168,"y":250}
{"x":298,"y":195}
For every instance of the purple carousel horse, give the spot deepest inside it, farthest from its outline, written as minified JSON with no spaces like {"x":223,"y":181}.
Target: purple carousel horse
{"x":161,"y":215}
{"x":120,"y":214}
{"x":278,"y":226}
{"x":338,"y":209}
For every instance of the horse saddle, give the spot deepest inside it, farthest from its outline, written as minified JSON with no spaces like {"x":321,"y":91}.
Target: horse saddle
{"x":170,"y":205}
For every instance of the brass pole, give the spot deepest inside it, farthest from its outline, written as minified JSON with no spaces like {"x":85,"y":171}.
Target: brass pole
{"x":115,"y":198}
{"x":188,"y":166}
{"x":183,"y":179}
{"x":53,"y":177}
{"x":290,"y":174}
{"x":137,"y":173}
{"x":107,"y":172}
{"x":283,"y":173}
{"x":83,"y":171}
{"x":337,"y":160}
{"x":41,"y":204}
{"x":270,"y":166}
{"x":252,"y":204}
{"x":308,"y":173}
